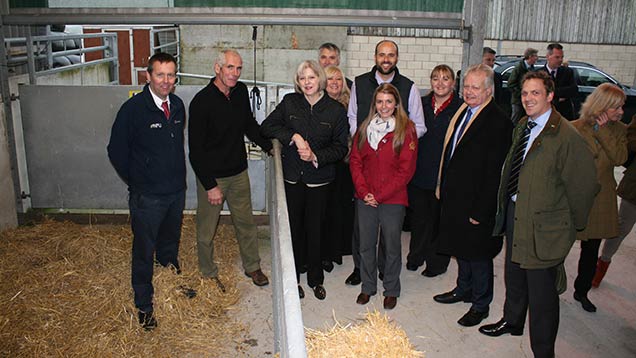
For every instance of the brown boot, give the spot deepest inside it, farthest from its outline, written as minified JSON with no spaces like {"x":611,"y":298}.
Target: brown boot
{"x":601,"y":270}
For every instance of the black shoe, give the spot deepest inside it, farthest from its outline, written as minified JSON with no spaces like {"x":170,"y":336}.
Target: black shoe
{"x":430,"y":273}
{"x":381,"y":276}
{"x":472,"y":318}
{"x":451,"y":297}
{"x":301,"y":292}
{"x":585,"y":302}
{"x":320,"y":292}
{"x":337,"y":260}
{"x":499,"y":328}
{"x":147,"y":320}
{"x":411,"y":267}
{"x":354,"y":279}
{"x":327,"y":265}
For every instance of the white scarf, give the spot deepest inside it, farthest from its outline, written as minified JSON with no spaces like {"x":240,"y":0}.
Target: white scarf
{"x":378,"y":128}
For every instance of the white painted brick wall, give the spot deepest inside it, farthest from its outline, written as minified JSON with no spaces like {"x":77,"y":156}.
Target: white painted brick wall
{"x":418,"y":56}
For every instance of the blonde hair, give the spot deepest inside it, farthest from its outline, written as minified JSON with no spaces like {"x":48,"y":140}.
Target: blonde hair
{"x":314,"y":66}
{"x":402,"y":121}
{"x":604,"y":97}
{"x":345,"y":93}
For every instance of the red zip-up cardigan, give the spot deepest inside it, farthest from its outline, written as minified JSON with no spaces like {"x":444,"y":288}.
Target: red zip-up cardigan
{"x":382,"y":172}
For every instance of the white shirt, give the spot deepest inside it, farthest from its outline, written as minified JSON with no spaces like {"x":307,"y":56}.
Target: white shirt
{"x":455,"y":139}
{"x":158,"y":100}
{"x":416,"y":112}
{"x":541,"y":121}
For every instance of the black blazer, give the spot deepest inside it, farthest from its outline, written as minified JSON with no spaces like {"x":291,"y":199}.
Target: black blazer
{"x":565,"y":91}
{"x":469,"y":185}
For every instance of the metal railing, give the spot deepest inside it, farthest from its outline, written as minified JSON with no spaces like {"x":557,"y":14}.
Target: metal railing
{"x":28,"y":50}
{"x":289,"y":334}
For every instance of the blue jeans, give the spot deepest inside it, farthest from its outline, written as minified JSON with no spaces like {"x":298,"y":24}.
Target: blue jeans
{"x":156,"y":225}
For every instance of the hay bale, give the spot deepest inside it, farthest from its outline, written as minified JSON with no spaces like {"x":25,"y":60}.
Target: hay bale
{"x":376,"y":336}
{"x":65,"y":291}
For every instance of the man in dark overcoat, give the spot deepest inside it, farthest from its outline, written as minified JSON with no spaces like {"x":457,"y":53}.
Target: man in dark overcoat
{"x":565,"y":88}
{"x":475,"y":147}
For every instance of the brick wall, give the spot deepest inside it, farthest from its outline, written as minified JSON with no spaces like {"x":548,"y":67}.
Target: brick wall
{"x":418,"y":56}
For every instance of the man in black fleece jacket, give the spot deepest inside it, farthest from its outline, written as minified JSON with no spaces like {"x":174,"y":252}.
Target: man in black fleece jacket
{"x":220,"y":116}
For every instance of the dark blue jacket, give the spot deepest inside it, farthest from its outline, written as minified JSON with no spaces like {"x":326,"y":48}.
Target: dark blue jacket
{"x":147,"y":150}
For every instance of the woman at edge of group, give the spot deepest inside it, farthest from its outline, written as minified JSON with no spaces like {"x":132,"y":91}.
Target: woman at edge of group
{"x":313,"y":131}
{"x":337,"y":238}
{"x":600,"y":126}
{"x":627,"y":210}
{"x":383,"y":157}
{"x":439,"y":107}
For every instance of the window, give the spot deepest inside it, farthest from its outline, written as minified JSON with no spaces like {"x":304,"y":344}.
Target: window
{"x":591,"y":78}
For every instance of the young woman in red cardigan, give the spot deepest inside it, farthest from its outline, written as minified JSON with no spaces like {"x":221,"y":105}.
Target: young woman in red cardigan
{"x":382,"y":162}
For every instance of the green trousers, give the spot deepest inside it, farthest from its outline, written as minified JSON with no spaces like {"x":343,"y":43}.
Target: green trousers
{"x":236,"y":191}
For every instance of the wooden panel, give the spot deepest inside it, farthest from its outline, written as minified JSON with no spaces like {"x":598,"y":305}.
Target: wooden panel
{"x":123,"y":49}
{"x":92,"y":56}
{"x":141,"y":47}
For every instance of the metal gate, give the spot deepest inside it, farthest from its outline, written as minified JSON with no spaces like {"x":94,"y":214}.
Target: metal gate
{"x":66,"y":130}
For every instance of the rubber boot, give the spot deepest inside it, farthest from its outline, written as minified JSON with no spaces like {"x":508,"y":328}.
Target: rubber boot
{"x":601,"y":270}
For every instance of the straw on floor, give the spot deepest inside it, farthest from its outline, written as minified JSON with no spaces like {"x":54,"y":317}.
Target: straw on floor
{"x":65,"y":291}
{"x":375,"y":336}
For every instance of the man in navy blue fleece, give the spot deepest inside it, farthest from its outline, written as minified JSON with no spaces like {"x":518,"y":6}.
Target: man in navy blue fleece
{"x":147,"y":150}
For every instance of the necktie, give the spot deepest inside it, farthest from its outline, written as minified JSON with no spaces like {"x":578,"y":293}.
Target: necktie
{"x":517,"y":161}
{"x":166,"y":110}
{"x":469,"y":114}
{"x":553,"y":74}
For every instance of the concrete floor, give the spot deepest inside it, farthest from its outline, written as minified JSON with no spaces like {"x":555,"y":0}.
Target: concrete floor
{"x":432,"y":327}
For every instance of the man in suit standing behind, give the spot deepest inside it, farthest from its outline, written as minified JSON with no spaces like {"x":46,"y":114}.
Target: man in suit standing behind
{"x":514,"y":83}
{"x":476,"y":143}
{"x":565,"y":88}
{"x":548,"y":185}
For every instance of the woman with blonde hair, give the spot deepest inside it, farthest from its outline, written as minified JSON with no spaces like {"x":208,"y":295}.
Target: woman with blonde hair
{"x":383,"y":157}
{"x":337,"y":85}
{"x":600,"y":126}
{"x":313,"y":130}
{"x":340,"y":209}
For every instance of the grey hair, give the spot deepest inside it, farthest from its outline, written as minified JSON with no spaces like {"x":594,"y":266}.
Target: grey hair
{"x":529,"y":52}
{"x":318,"y":70}
{"x":489,"y":82}
{"x":220,"y":58}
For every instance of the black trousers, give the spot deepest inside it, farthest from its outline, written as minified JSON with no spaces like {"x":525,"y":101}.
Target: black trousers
{"x":533,"y":289}
{"x":475,"y":278}
{"x":587,"y":265}
{"x":156,"y":226}
{"x":306,"y":207}
{"x":424,"y":208}
{"x":340,"y":215}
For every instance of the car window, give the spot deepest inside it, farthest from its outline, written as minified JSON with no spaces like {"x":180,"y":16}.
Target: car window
{"x":505,"y":75}
{"x":591,"y":78}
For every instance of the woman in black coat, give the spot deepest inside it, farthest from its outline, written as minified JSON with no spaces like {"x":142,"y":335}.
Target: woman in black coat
{"x":313,"y":129}
{"x":439,"y":106}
